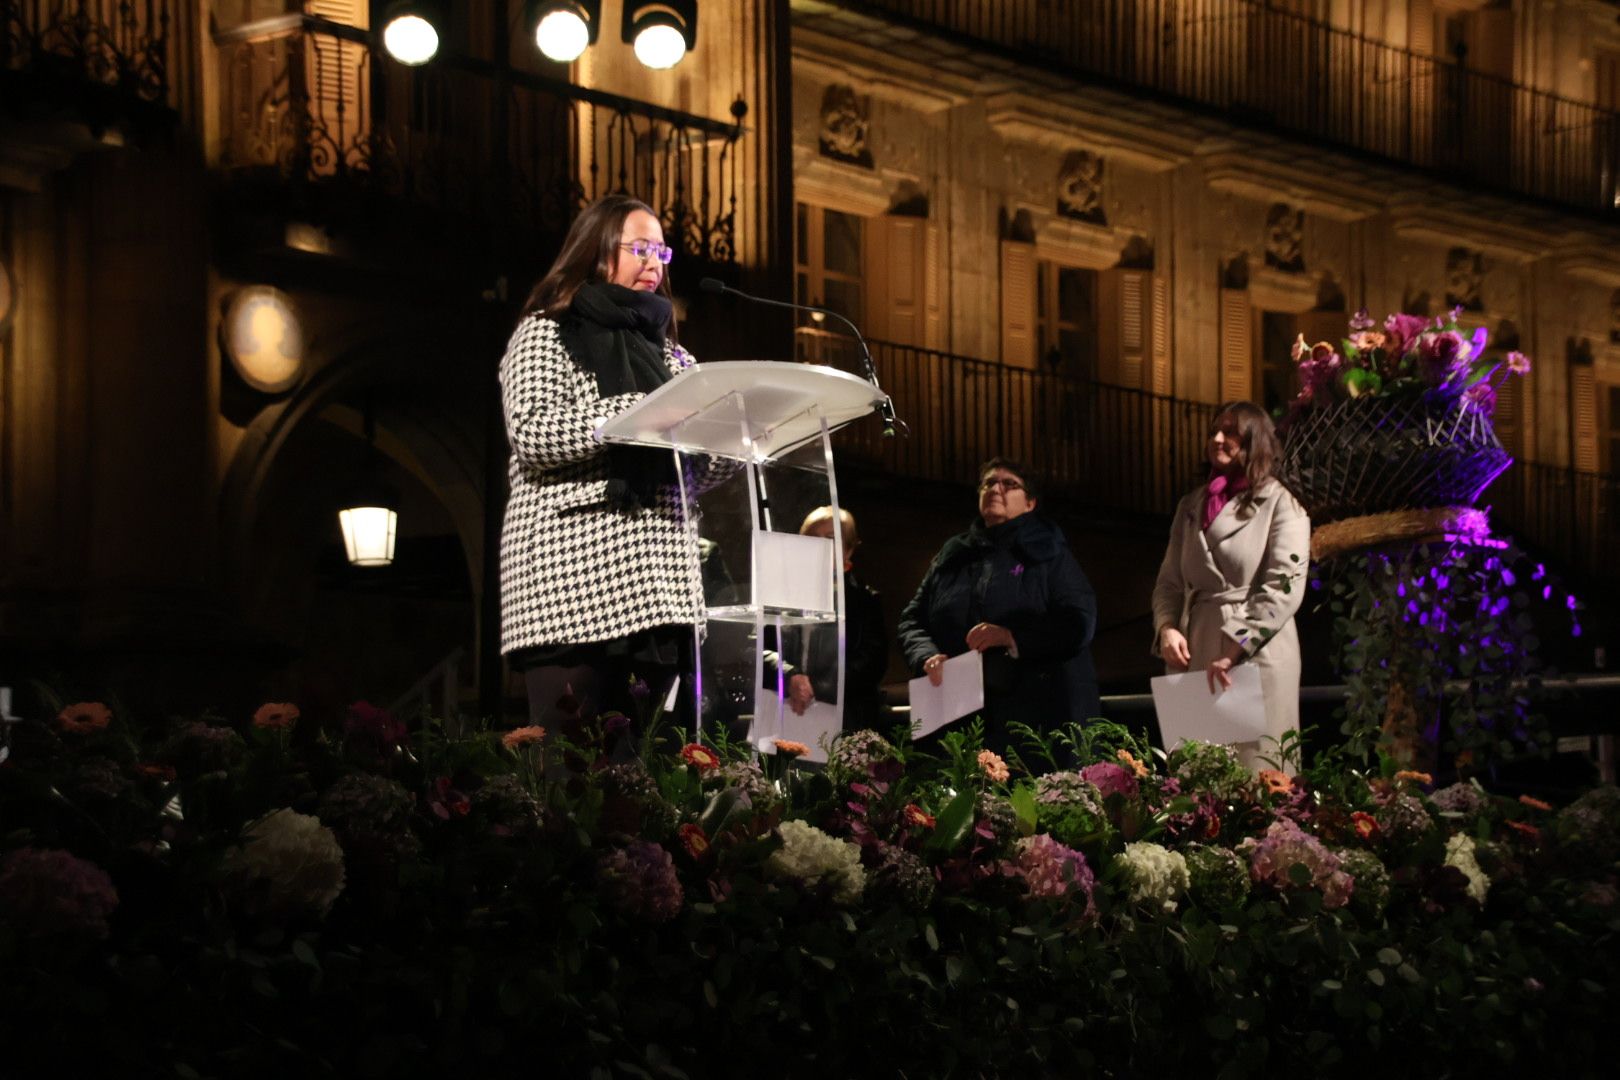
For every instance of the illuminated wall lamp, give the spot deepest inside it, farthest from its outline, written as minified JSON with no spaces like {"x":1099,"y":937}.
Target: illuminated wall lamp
{"x":411,"y":30}
{"x":563,"y":29}
{"x":661,"y":31}
{"x":370,"y":523}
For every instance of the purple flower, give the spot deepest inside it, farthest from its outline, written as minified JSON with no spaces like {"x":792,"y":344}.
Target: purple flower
{"x":1111,"y":779}
{"x":1054,"y":871}
{"x":1403,"y":331}
{"x":640,"y":881}
{"x":374,"y":728}
{"x":1480,"y":396}
{"x":1441,"y":356}
{"x":45,"y":892}
{"x":1518,"y":363}
{"x":1361,"y":320}
{"x":1285,"y":845}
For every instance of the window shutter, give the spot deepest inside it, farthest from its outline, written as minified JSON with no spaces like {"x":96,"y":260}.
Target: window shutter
{"x":1583,"y":406}
{"x":336,"y":74}
{"x":901,"y":279}
{"x":1017,"y":304}
{"x":1160,"y":374}
{"x":1133,"y":327}
{"x":1420,"y":27}
{"x":1237,"y":351}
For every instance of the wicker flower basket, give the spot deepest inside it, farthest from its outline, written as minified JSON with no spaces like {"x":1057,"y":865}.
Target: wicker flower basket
{"x":1377,"y":454}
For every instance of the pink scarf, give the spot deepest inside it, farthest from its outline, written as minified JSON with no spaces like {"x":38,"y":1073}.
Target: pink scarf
{"x":1222,"y":489}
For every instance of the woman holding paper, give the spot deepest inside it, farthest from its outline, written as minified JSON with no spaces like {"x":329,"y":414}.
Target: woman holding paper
{"x":1009,"y":588}
{"x":1233,"y":575}
{"x":600,"y":580}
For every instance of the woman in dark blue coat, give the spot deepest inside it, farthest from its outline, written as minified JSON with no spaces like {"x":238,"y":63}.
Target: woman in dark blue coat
{"x":1010,"y":588}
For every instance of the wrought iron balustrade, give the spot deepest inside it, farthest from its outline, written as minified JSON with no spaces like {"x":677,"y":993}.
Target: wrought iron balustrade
{"x":1106,"y":446}
{"x":1270,"y":66}
{"x":124,"y":47}
{"x":314,"y":103}
{"x":1571,"y":517}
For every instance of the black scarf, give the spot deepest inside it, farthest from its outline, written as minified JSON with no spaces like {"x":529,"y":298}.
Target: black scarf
{"x":617,"y":334}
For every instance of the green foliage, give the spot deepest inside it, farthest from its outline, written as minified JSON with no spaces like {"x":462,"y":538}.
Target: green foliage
{"x":474,"y":933}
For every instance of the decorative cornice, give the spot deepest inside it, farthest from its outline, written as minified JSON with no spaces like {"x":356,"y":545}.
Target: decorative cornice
{"x":1075,"y":243}
{"x":1274,"y":290}
{"x":1319,"y":194}
{"x":825,"y":182}
{"x":1074,"y":124}
{"x":884,"y":76}
{"x":1445,"y":228}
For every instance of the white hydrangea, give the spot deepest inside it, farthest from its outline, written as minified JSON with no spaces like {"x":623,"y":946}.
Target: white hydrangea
{"x":295,"y":857}
{"x":1154,"y":875}
{"x":811,"y":857}
{"x":1460,"y":853}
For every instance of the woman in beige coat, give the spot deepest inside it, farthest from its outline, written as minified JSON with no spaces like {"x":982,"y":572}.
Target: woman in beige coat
{"x":1234,"y":573}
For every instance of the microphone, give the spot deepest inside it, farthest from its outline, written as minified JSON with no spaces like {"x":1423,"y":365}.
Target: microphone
{"x":885,"y":407}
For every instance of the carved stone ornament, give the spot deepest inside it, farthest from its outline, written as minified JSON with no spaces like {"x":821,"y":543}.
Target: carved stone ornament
{"x":844,"y":126}
{"x":1285,"y":239}
{"x":1465,"y":279}
{"x":1080,"y":188}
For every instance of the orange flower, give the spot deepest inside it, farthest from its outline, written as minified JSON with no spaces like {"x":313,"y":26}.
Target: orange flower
{"x":1366,"y":825}
{"x":518,"y":738}
{"x":270,"y":715}
{"x":1130,"y":761}
{"x":993,"y":766}
{"x":1416,"y":777}
{"x":914,"y":815}
{"x":791,"y":748}
{"x":694,"y":839}
{"x":700,"y":757}
{"x":85,"y":717}
{"x":164,"y":773}
{"x":1535,"y":804}
{"x":1277,"y":783}
{"x":1530,"y":832}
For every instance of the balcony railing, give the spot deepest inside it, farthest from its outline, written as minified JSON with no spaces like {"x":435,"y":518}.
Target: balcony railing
{"x":1128,"y":451}
{"x":306,"y":102}
{"x":100,"y":57}
{"x":1269,"y":66}
{"x":1571,"y":518}
{"x":1101,"y":446}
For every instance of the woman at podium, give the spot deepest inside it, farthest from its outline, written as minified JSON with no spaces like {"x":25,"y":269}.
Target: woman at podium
{"x":599,"y":586}
{"x":1234,"y":573}
{"x":1011,"y":589}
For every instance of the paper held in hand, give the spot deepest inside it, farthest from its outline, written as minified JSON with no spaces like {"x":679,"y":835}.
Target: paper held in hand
{"x":960,"y":693}
{"x":1187,"y":710}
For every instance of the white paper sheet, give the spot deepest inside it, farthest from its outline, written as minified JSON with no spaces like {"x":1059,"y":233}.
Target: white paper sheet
{"x":819,"y":721}
{"x":960,"y":693}
{"x":794,"y":572}
{"x":1187,"y":710}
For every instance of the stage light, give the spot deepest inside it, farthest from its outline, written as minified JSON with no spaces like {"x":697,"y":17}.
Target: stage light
{"x":411,"y":31}
{"x":662,"y":31}
{"x":563,"y":29}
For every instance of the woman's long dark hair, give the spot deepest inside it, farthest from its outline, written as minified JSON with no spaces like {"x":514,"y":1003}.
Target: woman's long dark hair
{"x":1258,"y":437}
{"x":588,"y":254}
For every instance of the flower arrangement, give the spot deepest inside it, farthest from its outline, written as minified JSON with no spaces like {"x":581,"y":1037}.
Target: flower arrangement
{"x":451,"y":897}
{"x":1409,"y":355}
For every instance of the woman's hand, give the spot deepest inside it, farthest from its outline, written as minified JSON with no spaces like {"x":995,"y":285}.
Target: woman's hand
{"x":988,"y":636}
{"x":1173,"y":647}
{"x":931,"y":668}
{"x":1219,"y":671}
{"x":800,"y":693}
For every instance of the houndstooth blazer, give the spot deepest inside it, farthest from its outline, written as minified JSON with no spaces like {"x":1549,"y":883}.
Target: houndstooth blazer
{"x":573,"y":571}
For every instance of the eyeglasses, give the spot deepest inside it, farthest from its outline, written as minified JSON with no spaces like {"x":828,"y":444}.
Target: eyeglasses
{"x":646,"y":249}
{"x":1006,"y":485}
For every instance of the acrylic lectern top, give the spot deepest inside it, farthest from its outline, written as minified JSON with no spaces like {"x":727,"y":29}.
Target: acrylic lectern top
{"x":756,"y":409}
